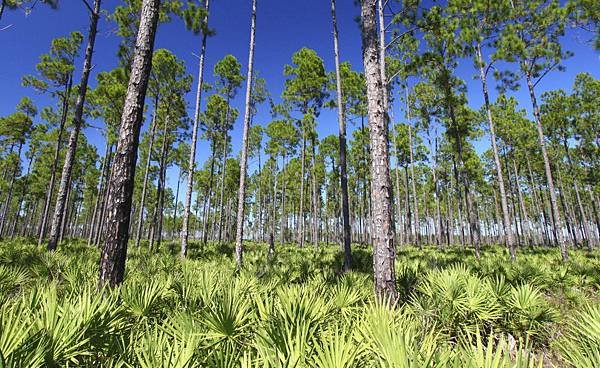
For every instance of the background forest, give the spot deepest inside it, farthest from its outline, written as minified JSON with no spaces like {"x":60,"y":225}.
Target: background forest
{"x":429,"y":200}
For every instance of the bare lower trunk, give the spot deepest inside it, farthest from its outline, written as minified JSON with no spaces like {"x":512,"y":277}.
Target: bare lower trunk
{"x":384,"y":252}
{"x":342,"y":140}
{"x":510,"y":242}
{"x":548,"y":170}
{"x":239,"y":234}
{"x":10,"y":191}
{"x":50,"y":192}
{"x":120,"y":188}
{"x":192,"y":161}
{"x":414,"y":188}
{"x":65,"y":180}
{"x":315,"y":197}
{"x":140,"y":222}
{"x":302,"y":174}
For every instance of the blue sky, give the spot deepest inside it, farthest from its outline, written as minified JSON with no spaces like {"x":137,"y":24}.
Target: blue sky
{"x":283,"y":27}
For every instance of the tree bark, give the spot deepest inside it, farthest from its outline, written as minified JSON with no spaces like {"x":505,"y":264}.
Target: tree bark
{"x":239,"y":233}
{"x":384,"y":252}
{"x":120,"y":186}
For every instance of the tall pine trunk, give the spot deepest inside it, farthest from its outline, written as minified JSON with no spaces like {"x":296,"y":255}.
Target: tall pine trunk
{"x":140,"y":222}
{"x":120,"y":186}
{"x":50,"y":191}
{"x":508,"y":235}
{"x":192,"y":162}
{"x":65,"y":180}
{"x":553,"y":202}
{"x":239,"y":233}
{"x":384,"y":252}
{"x":342,"y":150}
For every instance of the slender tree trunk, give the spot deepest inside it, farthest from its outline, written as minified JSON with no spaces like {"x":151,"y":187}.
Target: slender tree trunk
{"x":548,"y":170}
{"x":50,"y":192}
{"x":192,"y":161}
{"x":523,"y":207}
{"x":410,"y":230}
{"x":414,"y":187}
{"x":575,"y":239}
{"x":65,"y":180}
{"x":140,"y":222}
{"x":239,"y":234}
{"x":315,"y":198}
{"x":120,"y":186}
{"x":10,"y":190}
{"x":22,"y":197}
{"x":438,"y":217}
{"x":384,"y":252}
{"x":583,"y":224}
{"x":174,"y":230}
{"x":101,"y":200}
{"x":302,"y":174}
{"x":399,"y":220}
{"x":284,"y":217}
{"x":158,"y":209}
{"x":207,"y":199}
{"x":594,"y":210}
{"x":222,"y":191}
{"x":261,"y":201}
{"x":510,"y":242}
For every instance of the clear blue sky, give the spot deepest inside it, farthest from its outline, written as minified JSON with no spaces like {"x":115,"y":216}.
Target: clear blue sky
{"x":283,"y":27}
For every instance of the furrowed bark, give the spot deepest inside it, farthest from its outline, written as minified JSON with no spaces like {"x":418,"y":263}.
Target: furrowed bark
{"x":120,"y":186}
{"x":384,"y":251}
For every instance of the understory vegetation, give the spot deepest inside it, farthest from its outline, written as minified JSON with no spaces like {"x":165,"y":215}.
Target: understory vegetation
{"x":298,"y":309}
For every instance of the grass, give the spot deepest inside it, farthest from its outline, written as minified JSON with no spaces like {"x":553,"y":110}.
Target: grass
{"x":298,"y":310}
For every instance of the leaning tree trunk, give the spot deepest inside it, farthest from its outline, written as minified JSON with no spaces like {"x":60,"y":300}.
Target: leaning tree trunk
{"x":50,"y":191}
{"x":65,"y":180}
{"x":192,"y":162}
{"x":510,"y":241}
{"x":548,"y":170}
{"x":342,"y":139}
{"x":239,"y":233}
{"x":120,"y":187}
{"x":384,"y":252}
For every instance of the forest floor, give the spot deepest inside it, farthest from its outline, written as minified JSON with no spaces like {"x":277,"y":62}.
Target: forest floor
{"x":298,"y":310}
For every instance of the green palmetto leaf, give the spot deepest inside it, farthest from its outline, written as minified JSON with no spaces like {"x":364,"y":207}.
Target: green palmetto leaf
{"x":337,"y":349}
{"x":158,"y":349}
{"x":144,"y":300}
{"x":581,"y":347}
